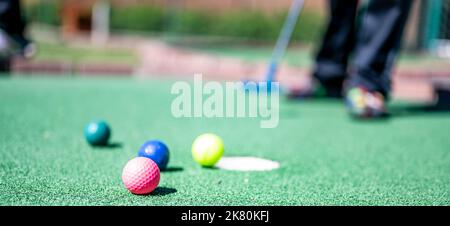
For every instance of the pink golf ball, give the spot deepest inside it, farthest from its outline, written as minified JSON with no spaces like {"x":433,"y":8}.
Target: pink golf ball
{"x":140,"y":175}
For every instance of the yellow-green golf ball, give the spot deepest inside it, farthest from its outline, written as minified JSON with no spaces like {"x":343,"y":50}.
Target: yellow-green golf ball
{"x":207,"y":149}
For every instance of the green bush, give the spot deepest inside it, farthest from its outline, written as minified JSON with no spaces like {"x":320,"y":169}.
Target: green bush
{"x":239,"y":23}
{"x":191,"y":22}
{"x":242,"y":24}
{"x":309,"y":26}
{"x":246,"y":24}
{"x":140,"y":18}
{"x":46,"y":12}
{"x":254,"y":25}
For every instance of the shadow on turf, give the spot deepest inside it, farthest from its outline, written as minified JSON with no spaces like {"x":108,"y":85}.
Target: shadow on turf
{"x":111,"y":145}
{"x":404,"y":110}
{"x":294,"y":112}
{"x":413,"y":110}
{"x":162,"y":191}
{"x":397,"y":111}
{"x":173,"y":169}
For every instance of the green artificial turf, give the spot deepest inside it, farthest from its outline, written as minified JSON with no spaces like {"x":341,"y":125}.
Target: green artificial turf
{"x":326,"y":157}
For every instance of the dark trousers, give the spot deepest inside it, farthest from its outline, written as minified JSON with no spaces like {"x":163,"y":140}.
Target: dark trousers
{"x":373,"y":42}
{"x":11,"y":20}
{"x":12,"y":23}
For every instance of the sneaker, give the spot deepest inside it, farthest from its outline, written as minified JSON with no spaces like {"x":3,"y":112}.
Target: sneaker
{"x":25,"y":47}
{"x":362,"y":103}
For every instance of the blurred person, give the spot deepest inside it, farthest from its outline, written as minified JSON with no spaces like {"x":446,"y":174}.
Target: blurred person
{"x":12,"y":34}
{"x":355,"y":58}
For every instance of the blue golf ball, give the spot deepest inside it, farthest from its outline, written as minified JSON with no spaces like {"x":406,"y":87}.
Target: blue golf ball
{"x":156,"y":151}
{"x":97,"y":133}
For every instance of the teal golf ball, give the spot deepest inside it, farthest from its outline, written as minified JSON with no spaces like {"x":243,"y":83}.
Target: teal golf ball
{"x":97,"y":133}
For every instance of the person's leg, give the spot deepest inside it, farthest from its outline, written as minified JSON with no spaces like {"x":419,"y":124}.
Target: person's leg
{"x":5,"y":65}
{"x":377,"y":46}
{"x":11,"y":20}
{"x":13,"y":24}
{"x":378,"y":43}
{"x":331,"y":61}
{"x":6,"y":52}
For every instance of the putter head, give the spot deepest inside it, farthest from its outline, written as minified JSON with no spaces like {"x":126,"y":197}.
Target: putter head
{"x":262,"y":86}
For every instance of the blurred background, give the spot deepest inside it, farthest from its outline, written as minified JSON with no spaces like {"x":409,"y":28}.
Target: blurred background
{"x":227,"y":39}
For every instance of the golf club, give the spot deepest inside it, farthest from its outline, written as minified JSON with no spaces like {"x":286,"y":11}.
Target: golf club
{"x":281,"y":44}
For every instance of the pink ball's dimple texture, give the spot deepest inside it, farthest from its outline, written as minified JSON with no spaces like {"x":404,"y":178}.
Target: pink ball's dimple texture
{"x":140,"y":175}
